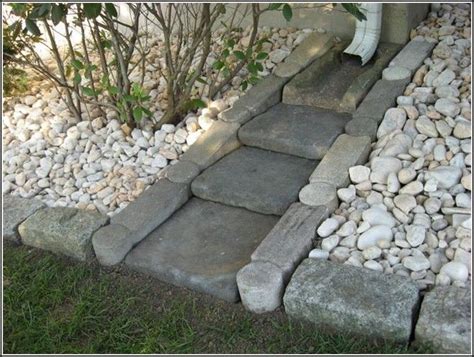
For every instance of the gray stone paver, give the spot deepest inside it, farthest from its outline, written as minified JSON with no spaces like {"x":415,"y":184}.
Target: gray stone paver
{"x":352,"y":300}
{"x":259,"y":180}
{"x":62,"y":230}
{"x":202,"y":247}
{"x":413,"y":55}
{"x":445,"y":320}
{"x":294,"y":129}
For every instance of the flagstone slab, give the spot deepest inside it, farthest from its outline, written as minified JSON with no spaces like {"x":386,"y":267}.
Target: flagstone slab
{"x":259,"y":180}
{"x":294,"y":129}
{"x":202,"y":247}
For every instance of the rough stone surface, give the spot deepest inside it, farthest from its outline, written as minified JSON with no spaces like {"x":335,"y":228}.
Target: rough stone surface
{"x":62,"y":230}
{"x":15,"y":211}
{"x":412,"y":55}
{"x":291,"y":239}
{"x":381,"y":97}
{"x":152,"y":208}
{"x":335,"y":83}
{"x":313,"y":47}
{"x":345,"y":152}
{"x":294,"y":129}
{"x":202,"y":247}
{"x":362,"y":126}
{"x":112,"y":243}
{"x":215,"y":143}
{"x":396,"y":73}
{"x":237,"y":114}
{"x":319,"y":194}
{"x":182,"y":172}
{"x":261,"y":286}
{"x":259,"y":180}
{"x":352,"y":300}
{"x":445,"y":320}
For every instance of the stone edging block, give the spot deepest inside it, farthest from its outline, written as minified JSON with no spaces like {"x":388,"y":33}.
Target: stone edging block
{"x":412,"y":55}
{"x":319,"y":194}
{"x":62,"y":230}
{"x":15,"y":211}
{"x":352,"y":300}
{"x":261,"y":283}
{"x":345,"y":152}
{"x":445,"y":320}
{"x":313,"y":47}
{"x":215,"y":143}
{"x":265,"y":94}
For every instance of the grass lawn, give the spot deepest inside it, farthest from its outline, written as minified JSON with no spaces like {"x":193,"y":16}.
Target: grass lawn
{"x":54,"y":305}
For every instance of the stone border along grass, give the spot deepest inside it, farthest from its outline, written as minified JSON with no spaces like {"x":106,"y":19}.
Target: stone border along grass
{"x":337,"y":289}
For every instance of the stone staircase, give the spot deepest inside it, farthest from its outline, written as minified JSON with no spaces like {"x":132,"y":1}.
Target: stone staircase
{"x":239,"y":199}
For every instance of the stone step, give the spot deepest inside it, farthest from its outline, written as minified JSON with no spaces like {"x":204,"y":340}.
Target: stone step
{"x":259,"y":180}
{"x":202,"y":247}
{"x":294,"y":129}
{"x":336,"y":81}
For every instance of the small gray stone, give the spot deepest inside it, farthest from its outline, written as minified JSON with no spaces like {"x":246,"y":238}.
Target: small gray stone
{"x":425,"y":126}
{"x":261,"y":286}
{"x":335,"y":297}
{"x":112,"y":243}
{"x":62,"y":230}
{"x":447,"y":107}
{"x":415,"y":235}
{"x":15,"y":211}
{"x":395,"y":73}
{"x":345,"y":152}
{"x":446,"y":176}
{"x":445,"y":320}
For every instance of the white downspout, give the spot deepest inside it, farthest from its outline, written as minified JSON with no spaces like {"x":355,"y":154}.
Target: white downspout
{"x":367,"y":33}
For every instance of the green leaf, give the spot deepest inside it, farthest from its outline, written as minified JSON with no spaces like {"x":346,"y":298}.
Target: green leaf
{"x":129,"y":98}
{"x":92,"y":10}
{"x":218,"y":65}
{"x":244,"y":85}
{"x":226,"y":72}
{"x":201,"y":80}
{"x":287,"y":12}
{"x":113,"y":90}
{"x":147,"y":112}
{"x":275,"y":6}
{"x":353,"y":9}
{"x":32,"y":27}
{"x":77,"y":64}
{"x":88,"y":91}
{"x":40,"y":10}
{"x":261,"y":56}
{"x":197,"y":103}
{"x":230,"y":42}
{"x":225,"y":53}
{"x":259,"y":66}
{"x":252,"y":68}
{"x":57,"y":13}
{"x":253,"y":80}
{"x":111,"y":10}
{"x":77,"y":79}
{"x":239,"y":55}
{"x":137,"y":113}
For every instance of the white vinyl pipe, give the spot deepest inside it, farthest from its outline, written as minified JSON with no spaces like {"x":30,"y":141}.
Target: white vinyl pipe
{"x":367,"y":33}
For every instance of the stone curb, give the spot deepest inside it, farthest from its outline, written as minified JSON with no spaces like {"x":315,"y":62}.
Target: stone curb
{"x":261,"y":282}
{"x":445,"y":320}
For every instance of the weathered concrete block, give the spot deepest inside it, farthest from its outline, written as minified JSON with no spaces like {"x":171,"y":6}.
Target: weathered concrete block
{"x":382,"y":96}
{"x":215,"y":143}
{"x":152,"y":208}
{"x":292,"y":238}
{"x":313,"y":47}
{"x":261,"y":286}
{"x":182,"y":172}
{"x":15,"y":211}
{"x":362,"y":126}
{"x":112,"y":243}
{"x":445,"y":320}
{"x":294,"y":129}
{"x":347,"y":151}
{"x":352,"y":300}
{"x":319,"y":194}
{"x":62,"y":230}
{"x":236,"y":114}
{"x":413,"y":55}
